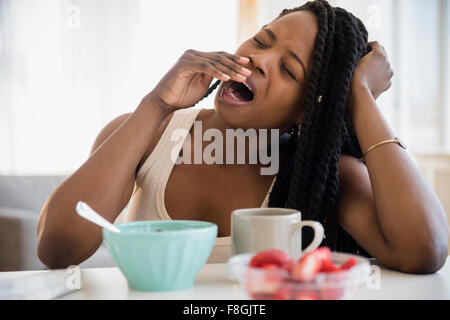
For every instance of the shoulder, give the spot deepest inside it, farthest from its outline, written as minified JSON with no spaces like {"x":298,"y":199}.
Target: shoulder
{"x":108,"y":130}
{"x":152,"y":144}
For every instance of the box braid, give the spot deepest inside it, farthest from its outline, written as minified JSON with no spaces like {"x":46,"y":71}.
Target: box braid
{"x":308,"y":176}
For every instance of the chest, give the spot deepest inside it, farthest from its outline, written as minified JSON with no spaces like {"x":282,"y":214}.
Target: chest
{"x":212,"y":192}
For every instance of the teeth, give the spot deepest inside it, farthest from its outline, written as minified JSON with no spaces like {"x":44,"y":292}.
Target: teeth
{"x":248,"y":87}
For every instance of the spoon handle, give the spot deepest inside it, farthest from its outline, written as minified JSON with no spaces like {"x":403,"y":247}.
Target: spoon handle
{"x":88,"y":213}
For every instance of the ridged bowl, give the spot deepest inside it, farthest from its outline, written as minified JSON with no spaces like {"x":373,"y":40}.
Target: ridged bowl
{"x":161,"y":255}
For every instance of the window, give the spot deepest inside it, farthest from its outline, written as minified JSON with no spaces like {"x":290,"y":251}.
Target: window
{"x":68,"y":67}
{"x":416,"y":35}
{"x":421,"y":60}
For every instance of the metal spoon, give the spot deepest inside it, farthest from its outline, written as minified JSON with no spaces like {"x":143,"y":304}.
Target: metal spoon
{"x":90,"y":214}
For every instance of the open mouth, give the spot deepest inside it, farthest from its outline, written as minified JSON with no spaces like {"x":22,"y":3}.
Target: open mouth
{"x":237,"y":93}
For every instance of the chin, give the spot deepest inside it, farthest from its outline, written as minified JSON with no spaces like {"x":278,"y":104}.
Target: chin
{"x":235,"y":117}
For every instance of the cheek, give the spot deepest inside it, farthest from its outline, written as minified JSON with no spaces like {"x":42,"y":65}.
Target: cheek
{"x":285,"y":103}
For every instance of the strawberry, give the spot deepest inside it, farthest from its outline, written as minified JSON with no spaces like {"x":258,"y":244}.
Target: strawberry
{"x":284,"y":293}
{"x":332,"y":293}
{"x":267,"y":280}
{"x":307,"y":268}
{"x":329,"y":266}
{"x":306,"y":295}
{"x":323,"y":253}
{"x":270,"y":266}
{"x":258,"y":296}
{"x":288,"y":265}
{"x":272,"y":256}
{"x":350,"y":263}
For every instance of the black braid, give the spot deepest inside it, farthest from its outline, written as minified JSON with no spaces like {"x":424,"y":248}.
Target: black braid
{"x":210,"y":90}
{"x":308,"y":175}
{"x":311,"y":185}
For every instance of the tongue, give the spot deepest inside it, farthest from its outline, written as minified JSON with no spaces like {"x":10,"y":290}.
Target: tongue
{"x":240,"y":95}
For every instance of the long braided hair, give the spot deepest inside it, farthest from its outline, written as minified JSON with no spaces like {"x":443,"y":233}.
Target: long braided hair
{"x":308,"y":176}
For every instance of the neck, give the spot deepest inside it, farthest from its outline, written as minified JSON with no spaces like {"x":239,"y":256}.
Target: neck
{"x":247,"y":146}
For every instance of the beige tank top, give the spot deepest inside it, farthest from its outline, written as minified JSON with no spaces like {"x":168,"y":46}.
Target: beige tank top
{"x":147,"y":201}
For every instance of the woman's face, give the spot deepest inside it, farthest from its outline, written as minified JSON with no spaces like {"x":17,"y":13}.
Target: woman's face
{"x":280,"y":59}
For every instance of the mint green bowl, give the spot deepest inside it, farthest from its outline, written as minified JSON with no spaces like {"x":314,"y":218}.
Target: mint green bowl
{"x":161,"y":255}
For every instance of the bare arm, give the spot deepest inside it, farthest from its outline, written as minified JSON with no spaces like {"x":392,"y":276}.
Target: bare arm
{"x":387,"y":206}
{"x":105,"y":181}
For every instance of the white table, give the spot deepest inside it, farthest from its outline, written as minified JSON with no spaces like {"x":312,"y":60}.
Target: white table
{"x":212,"y":284}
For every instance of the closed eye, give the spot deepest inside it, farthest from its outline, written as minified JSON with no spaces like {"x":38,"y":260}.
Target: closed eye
{"x":259,"y":43}
{"x":290,"y":73}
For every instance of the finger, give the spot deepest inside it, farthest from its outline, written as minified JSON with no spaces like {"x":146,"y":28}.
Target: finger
{"x":234,"y":57}
{"x":390,"y":74}
{"x":207,"y":68}
{"x":389,"y":85}
{"x":228,"y":60}
{"x":224,"y":69}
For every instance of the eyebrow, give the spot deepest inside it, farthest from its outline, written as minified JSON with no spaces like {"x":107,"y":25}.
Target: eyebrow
{"x":291,"y":53}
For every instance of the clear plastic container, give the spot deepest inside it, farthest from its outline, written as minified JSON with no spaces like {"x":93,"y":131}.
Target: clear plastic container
{"x":279,"y":285}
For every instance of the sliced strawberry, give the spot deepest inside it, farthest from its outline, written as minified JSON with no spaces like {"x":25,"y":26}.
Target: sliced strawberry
{"x":350,"y":263}
{"x":288,"y":265}
{"x":323,"y":253}
{"x":306,"y":295}
{"x":284,"y":293}
{"x":272,"y":256}
{"x":259,"y":296}
{"x":307,"y":268}
{"x":332,"y":293}
{"x":329,"y":266}
{"x":266,"y":281}
{"x":270,"y":266}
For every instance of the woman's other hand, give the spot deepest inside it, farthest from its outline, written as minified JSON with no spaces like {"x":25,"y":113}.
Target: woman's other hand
{"x":189,"y":79}
{"x":374,"y":71}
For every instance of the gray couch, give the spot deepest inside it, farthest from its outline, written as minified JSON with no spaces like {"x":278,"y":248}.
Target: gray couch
{"x":21,"y":200}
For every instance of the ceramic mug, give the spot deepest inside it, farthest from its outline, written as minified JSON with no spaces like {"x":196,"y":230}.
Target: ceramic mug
{"x":254,"y":230}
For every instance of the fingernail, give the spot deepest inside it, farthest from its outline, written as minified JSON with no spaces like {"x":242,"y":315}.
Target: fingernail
{"x":227,"y":77}
{"x":241,"y":77}
{"x":244,"y":59}
{"x":246,"y":71}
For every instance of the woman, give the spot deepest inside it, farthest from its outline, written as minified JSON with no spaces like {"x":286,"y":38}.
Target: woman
{"x":314,"y":77}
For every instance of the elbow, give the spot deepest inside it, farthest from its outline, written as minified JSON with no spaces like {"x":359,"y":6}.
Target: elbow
{"x":424,"y":259}
{"x":50,"y":255}
{"x":426,"y":251}
{"x":55,"y":251}
{"x":60,"y":246}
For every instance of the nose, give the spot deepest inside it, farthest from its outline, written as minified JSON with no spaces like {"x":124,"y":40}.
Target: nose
{"x":257,"y":64}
